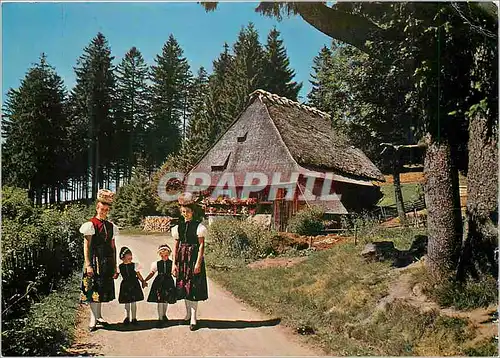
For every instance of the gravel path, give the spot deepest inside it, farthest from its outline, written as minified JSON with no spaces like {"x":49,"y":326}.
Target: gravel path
{"x":228,"y":327}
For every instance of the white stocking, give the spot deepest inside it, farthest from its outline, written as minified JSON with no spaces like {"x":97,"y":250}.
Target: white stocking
{"x":160,"y":310}
{"x":93,"y":314}
{"x":188,"y":309}
{"x":134,"y":310}
{"x":165,"y":306}
{"x":194,"y":307}
{"x":127,"y":309}
{"x":99,"y":313}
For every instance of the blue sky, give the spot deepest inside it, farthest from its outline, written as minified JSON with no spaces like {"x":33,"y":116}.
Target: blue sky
{"x":62,"y":30}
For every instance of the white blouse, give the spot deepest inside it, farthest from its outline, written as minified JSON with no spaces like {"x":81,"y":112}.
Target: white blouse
{"x":87,"y":229}
{"x":201,"y":231}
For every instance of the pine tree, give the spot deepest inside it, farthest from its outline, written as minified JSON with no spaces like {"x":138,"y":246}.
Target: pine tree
{"x":93,"y":102}
{"x":133,"y":115}
{"x":200,"y":132}
{"x":170,"y":76}
{"x":318,"y":97}
{"x":34,"y":151}
{"x":247,"y":71}
{"x":278,"y":75}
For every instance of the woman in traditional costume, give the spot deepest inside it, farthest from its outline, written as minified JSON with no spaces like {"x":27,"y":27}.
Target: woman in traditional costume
{"x":99,"y":253}
{"x":188,"y":264}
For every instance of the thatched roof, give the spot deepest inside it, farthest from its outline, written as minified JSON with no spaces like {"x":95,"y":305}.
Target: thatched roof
{"x":277,"y":135}
{"x":308,"y":135}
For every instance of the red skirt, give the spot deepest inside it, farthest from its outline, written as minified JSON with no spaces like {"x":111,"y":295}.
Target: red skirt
{"x":190,"y":286}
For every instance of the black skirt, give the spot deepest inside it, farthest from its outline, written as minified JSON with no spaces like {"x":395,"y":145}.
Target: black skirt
{"x":190,"y":286}
{"x":163,"y":289}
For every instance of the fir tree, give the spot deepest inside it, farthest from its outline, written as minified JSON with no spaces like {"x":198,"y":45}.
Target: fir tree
{"x":278,"y":75}
{"x":93,"y":102}
{"x":170,"y":76}
{"x":34,"y":126}
{"x":133,"y":118}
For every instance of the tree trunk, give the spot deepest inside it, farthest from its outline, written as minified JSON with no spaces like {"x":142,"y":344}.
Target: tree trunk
{"x":443,"y":220}
{"x":397,"y":191}
{"x":482,"y":194}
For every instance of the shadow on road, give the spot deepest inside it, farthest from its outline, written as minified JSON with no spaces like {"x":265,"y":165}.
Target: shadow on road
{"x":202,"y":323}
{"x":226,"y":324}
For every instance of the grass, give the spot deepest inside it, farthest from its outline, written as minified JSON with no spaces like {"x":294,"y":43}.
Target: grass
{"x":410,"y":193}
{"x":50,"y":325}
{"x":461,"y":296}
{"x":336,"y":293}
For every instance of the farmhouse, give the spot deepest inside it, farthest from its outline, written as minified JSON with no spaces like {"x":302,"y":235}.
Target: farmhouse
{"x":294,"y":143}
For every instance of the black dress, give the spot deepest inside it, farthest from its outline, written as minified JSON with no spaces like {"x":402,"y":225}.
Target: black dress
{"x":101,"y":286}
{"x":190,"y":286}
{"x":163,"y":287}
{"x":130,"y":288}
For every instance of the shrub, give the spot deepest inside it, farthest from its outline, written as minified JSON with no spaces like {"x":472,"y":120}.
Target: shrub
{"x":307,"y":222}
{"x":49,"y":326}
{"x":235,"y":238}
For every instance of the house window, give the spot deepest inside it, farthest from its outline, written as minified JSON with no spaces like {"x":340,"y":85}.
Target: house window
{"x":221,"y":165}
{"x":242,"y":138}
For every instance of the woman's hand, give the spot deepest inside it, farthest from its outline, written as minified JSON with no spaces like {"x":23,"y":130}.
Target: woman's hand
{"x":89,"y":270}
{"x":197,"y":269}
{"x":115,"y":276}
{"x":174,"y":270}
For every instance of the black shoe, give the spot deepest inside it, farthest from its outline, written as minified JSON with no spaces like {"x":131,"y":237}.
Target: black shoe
{"x":134,"y":322}
{"x":92,"y":329}
{"x":159,"y":324}
{"x":164,"y":318}
{"x":102,"y":322}
{"x":193,"y":327}
{"x":126,"y":321}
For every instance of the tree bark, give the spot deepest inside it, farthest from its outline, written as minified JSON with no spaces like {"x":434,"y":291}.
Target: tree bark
{"x":398,"y":194}
{"x":482,"y":206}
{"x":443,"y":220}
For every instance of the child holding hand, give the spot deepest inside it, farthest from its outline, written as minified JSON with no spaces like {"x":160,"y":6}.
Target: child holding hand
{"x":163,"y":288}
{"x":130,"y":289}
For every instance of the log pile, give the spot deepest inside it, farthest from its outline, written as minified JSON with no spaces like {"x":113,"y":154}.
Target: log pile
{"x":156,"y":223}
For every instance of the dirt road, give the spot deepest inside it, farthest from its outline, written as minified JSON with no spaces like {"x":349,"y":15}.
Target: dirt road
{"x":227,"y":326}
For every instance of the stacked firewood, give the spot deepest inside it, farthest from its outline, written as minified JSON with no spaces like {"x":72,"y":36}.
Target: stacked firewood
{"x":156,"y":223}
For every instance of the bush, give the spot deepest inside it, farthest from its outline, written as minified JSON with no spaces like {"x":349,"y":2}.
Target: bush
{"x":307,"y":222}
{"x":49,"y":326}
{"x":235,"y":238}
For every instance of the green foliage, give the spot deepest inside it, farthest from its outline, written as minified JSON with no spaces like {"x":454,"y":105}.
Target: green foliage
{"x":233,"y":238}
{"x":92,"y":105}
{"x":278,"y":75}
{"x":171,"y":78}
{"x":34,"y":128}
{"x":134,"y":201}
{"x":49,"y":327}
{"x":133,"y":114}
{"x":307,"y":221}
{"x":16,"y":205}
{"x":462,"y":296}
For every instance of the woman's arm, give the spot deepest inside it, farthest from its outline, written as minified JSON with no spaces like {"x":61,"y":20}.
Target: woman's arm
{"x":174,"y":254}
{"x":201,"y":252}
{"x":113,"y":246}
{"x":86,"y":255}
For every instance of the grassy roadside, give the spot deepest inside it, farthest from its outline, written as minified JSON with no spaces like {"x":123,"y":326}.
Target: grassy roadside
{"x":336,"y":294}
{"x":49,"y":326}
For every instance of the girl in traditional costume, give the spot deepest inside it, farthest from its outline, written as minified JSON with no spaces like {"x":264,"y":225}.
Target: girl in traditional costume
{"x":163,"y":288}
{"x":188,"y":260}
{"x":99,"y":253}
{"x":130,"y":289}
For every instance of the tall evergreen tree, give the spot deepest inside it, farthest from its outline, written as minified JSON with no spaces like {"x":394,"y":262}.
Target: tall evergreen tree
{"x":133,"y":114}
{"x":247,"y":70}
{"x":170,"y":76}
{"x":200,"y":132}
{"x":93,"y":102}
{"x":277,"y":72}
{"x":34,"y":150}
{"x":318,"y":96}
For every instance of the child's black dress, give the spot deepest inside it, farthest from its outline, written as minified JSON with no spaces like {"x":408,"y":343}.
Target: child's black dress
{"x":130,"y":288}
{"x":163,"y":287}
